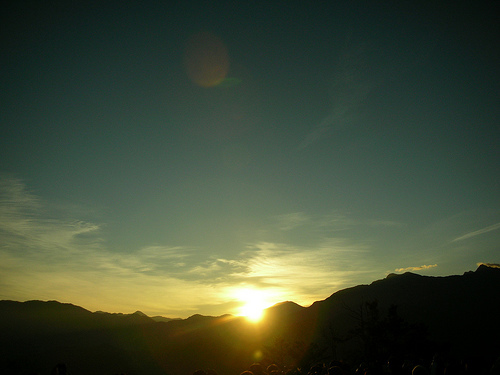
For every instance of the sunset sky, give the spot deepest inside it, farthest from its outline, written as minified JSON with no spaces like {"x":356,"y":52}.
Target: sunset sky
{"x":176,"y":159}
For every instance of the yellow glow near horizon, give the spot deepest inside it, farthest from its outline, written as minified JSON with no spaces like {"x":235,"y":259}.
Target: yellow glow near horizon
{"x":254,"y":303}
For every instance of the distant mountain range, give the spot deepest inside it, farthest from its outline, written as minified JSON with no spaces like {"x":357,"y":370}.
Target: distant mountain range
{"x":406,"y":315}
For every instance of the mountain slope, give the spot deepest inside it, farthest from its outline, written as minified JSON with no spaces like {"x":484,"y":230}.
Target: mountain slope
{"x":460,"y":314}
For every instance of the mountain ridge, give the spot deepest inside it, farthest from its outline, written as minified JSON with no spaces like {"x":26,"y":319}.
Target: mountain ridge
{"x":482,"y":268}
{"x":451,"y":314}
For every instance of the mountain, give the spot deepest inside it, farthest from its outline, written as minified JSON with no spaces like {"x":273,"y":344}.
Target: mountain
{"x":408,"y":315}
{"x":163,"y":319}
{"x":284,"y":308}
{"x":458,"y":312}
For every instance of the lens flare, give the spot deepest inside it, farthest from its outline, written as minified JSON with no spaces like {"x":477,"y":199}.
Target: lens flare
{"x":206,"y":59}
{"x":258,"y":355}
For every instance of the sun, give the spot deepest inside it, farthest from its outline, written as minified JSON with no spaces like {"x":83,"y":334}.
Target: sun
{"x":254,"y":303}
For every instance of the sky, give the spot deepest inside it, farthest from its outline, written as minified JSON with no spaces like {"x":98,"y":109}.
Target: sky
{"x":178,"y":158}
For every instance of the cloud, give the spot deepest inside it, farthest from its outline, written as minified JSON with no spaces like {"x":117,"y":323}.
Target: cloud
{"x":26,"y":227}
{"x":385,"y":223}
{"x":295,"y":221}
{"x":47,"y":257}
{"x":350,"y":86}
{"x":292,"y":220}
{"x":491,"y":265}
{"x":418,"y":268}
{"x":16,"y":206}
{"x":478,"y":232}
{"x":304,"y":274}
{"x":66,"y":259}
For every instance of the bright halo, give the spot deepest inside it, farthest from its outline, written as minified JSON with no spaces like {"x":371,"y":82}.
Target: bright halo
{"x":254,"y":303}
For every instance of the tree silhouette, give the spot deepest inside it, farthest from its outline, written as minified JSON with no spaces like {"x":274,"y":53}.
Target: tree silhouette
{"x":382,"y":337}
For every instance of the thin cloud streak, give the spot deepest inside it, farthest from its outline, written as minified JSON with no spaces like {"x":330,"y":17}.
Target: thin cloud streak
{"x":418,"y":268}
{"x":478,"y":232}
{"x":17,"y":206}
{"x":292,"y":220}
{"x":28,"y":234}
{"x":350,"y":87}
{"x":385,"y":223}
{"x":491,"y":265}
{"x":303,"y":273}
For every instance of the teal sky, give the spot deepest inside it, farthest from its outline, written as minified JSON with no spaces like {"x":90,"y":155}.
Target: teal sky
{"x":339,"y":142}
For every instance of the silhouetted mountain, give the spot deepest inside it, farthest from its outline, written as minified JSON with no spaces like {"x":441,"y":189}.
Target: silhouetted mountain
{"x":409,"y":314}
{"x":284,"y":308}
{"x":447,"y":305}
{"x":163,"y":319}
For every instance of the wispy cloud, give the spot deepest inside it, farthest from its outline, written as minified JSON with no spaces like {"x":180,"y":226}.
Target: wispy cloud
{"x":17,"y":206}
{"x":42,"y":257}
{"x":291,"y":220}
{"x":478,"y":232}
{"x":25,"y":225}
{"x":49,"y":257}
{"x":491,"y":265}
{"x":418,"y":268}
{"x":46,"y":257}
{"x":300,"y":273}
{"x":300,"y":221}
{"x":350,"y":86}
{"x":385,"y":223}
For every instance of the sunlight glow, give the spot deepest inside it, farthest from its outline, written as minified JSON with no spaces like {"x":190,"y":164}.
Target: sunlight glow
{"x":254,"y":303}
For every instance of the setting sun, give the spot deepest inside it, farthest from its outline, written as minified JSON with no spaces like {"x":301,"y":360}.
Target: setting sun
{"x":254,"y":303}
